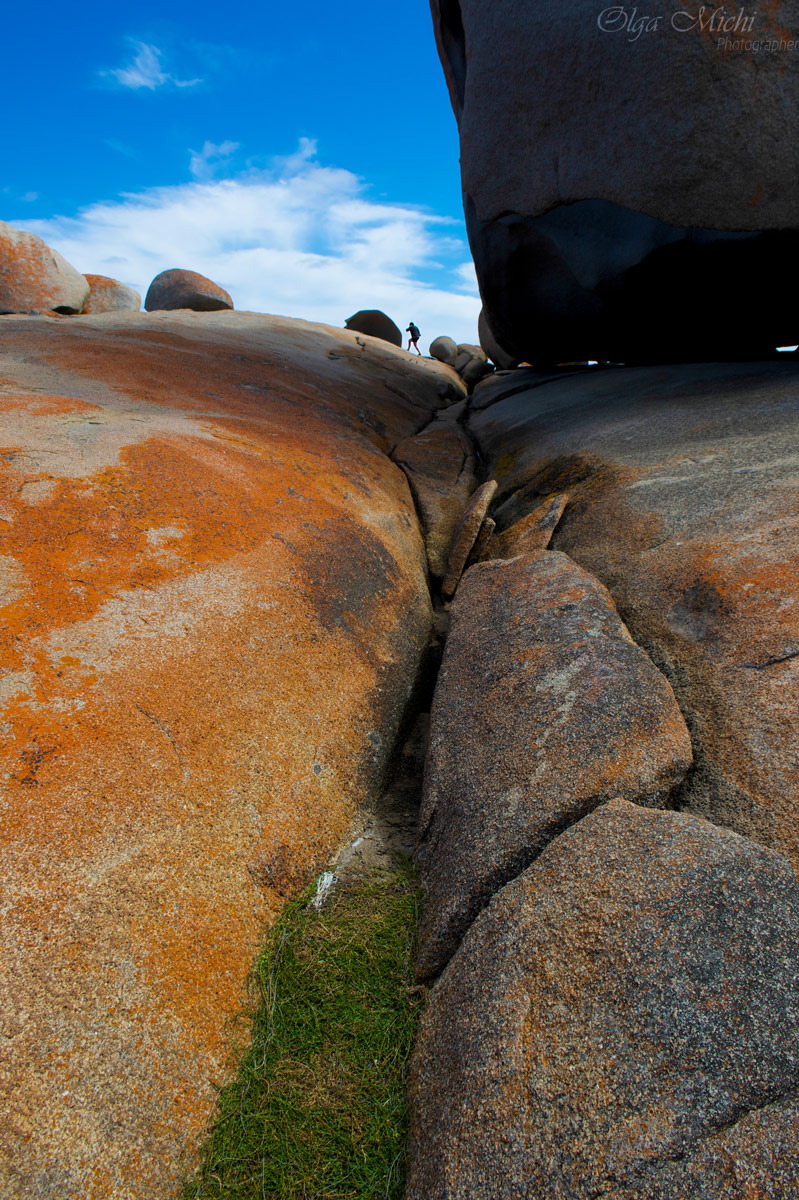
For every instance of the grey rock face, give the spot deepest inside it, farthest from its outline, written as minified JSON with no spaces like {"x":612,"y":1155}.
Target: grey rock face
{"x":34,"y":277}
{"x":622,"y":1021}
{"x":177,"y":288}
{"x":374,"y":323}
{"x":544,"y":709}
{"x":632,"y":218}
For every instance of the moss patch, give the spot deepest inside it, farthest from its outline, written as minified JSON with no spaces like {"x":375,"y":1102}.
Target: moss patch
{"x":317,"y":1110}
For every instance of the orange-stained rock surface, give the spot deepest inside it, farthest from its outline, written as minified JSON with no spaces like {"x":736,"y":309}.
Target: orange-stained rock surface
{"x":214,"y":607}
{"x":109,"y":295}
{"x":684,"y":501}
{"x":34,"y":277}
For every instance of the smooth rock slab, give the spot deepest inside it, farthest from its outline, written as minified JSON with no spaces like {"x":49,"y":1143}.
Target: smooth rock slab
{"x":34,"y":277}
{"x":177,"y":288}
{"x":544,"y":709}
{"x":214,"y":611}
{"x":630,"y":1000}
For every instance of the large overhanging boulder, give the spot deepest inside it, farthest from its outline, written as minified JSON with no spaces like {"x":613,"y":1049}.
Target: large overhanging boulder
{"x":637,"y":198}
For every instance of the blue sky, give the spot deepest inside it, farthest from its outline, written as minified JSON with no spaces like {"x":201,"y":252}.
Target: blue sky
{"x":306,"y":156}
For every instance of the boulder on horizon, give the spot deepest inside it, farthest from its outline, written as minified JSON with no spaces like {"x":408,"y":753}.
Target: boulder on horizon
{"x":109,"y":295}
{"x":36,"y":278}
{"x":374,"y":323}
{"x":177,"y":288}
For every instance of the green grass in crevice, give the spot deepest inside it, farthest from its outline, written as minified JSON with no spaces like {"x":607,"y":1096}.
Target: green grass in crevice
{"x":317,"y":1111}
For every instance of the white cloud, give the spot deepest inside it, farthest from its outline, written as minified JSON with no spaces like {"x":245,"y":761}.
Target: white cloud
{"x":145,"y":71}
{"x":301,"y":239}
{"x":205,"y":163}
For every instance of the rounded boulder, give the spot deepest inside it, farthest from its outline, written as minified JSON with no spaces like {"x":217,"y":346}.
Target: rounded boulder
{"x":109,"y":295}
{"x":33,"y":276}
{"x":445,"y":350}
{"x":177,"y":288}
{"x":374,"y":323}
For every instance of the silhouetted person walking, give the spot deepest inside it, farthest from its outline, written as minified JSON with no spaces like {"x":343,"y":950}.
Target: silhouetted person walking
{"x":413,"y":340}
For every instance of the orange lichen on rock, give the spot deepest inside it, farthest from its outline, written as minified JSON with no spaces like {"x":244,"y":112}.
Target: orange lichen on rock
{"x":210,"y":628}
{"x":33,"y":276}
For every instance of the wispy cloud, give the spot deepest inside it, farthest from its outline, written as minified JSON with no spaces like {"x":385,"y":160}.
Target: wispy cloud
{"x":206,"y":163}
{"x":145,"y":71}
{"x":300,"y":239}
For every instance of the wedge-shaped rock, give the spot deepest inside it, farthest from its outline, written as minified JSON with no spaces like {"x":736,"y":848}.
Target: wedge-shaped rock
{"x":545,"y":708}
{"x":439,"y":465}
{"x":622,"y":1021}
{"x":467,"y":531}
{"x":533,"y":532}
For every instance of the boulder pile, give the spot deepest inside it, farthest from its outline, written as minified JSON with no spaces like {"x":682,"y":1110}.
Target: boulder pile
{"x":471,"y":362}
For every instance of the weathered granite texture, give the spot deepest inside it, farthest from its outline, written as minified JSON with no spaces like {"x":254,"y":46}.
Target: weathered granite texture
{"x":34,"y":277}
{"x":544,"y":709}
{"x":621,"y":1022}
{"x":214,"y":606}
{"x":684,"y":501}
{"x":466,"y":534}
{"x":109,"y":295}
